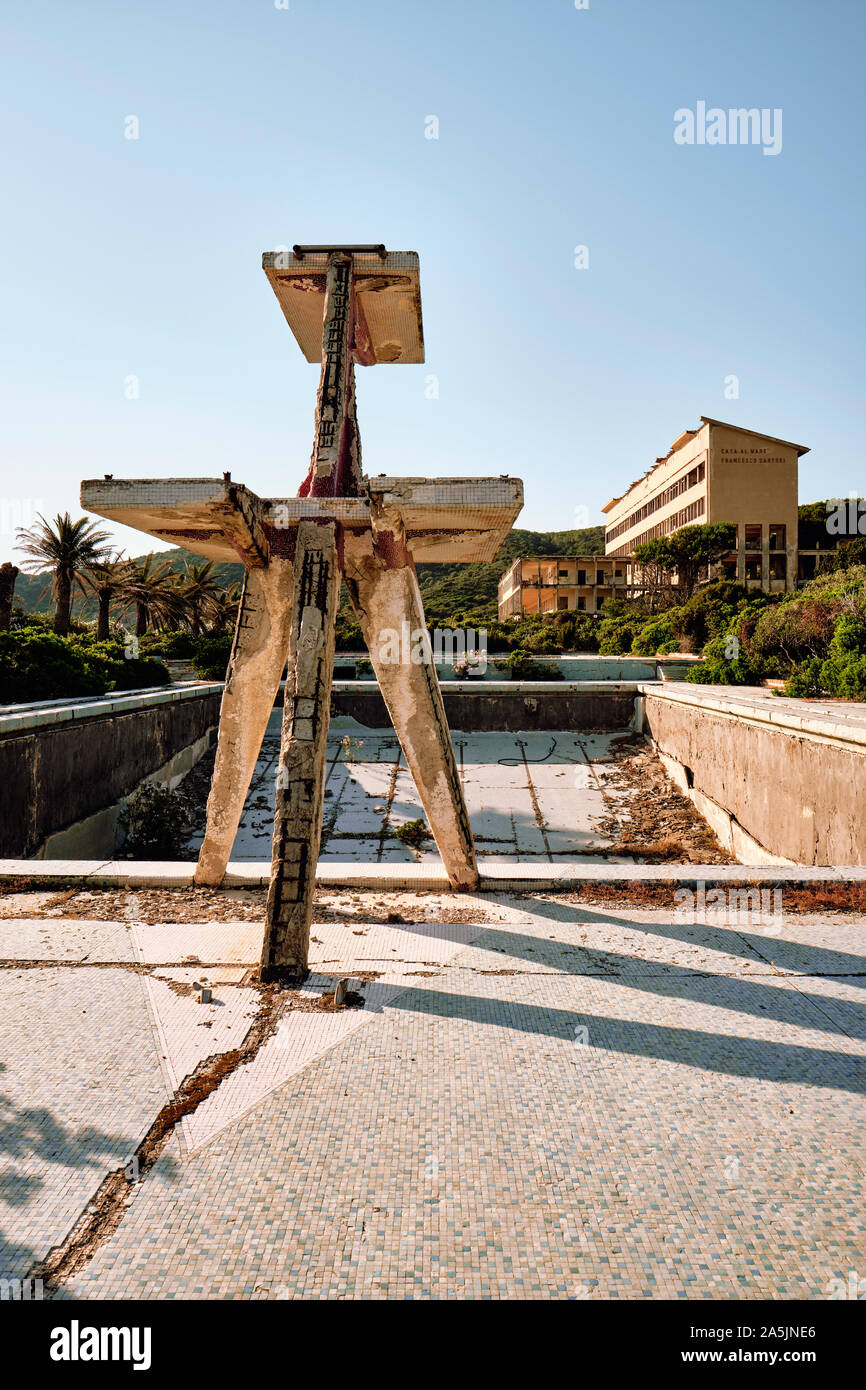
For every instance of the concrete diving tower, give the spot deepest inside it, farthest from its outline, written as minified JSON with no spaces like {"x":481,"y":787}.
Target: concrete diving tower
{"x":370,"y":532}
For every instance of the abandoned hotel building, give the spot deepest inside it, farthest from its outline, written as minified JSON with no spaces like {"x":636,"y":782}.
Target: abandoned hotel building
{"x":715,"y":473}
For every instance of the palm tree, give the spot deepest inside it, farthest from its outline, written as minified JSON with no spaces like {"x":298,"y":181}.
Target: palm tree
{"x":225,"y":608}
{"x":199,"y":594}
{"x":105,"y":581}
{"x":8,"y":575}
{"x":151,"y":590}
{"x":66,"y":548}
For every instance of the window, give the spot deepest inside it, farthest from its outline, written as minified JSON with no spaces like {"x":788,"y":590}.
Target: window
{"x":753,"y":537}
{"x":599,"y":577}
{"x":777,"y":537}
{"x":581,"y":603}
{"x":617,"y":574}
{"x":777,"y":567}
{"x":562,"y":601}
{"x":581,"y":576}
{"x":563,"y":574}
{"x":753,"y":569}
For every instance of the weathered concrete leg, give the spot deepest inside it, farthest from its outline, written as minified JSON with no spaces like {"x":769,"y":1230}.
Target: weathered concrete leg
{"x":301,"y":778}
{"x":383,"y":586}
{"x":257,"y":660}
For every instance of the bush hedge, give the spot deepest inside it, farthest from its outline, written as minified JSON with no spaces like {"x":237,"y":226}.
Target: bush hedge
{"x":211,"y":656}
{"x":36,"y":664}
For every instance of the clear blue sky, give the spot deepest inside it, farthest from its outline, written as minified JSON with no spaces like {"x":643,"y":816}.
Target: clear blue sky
{"x":261,"y":126}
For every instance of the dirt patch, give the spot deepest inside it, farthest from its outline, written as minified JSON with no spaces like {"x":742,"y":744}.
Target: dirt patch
{"x":660,"y":825}
{"x":835,"y":897}
{"x":153,"y":906}
{"x":351,"y":1000}
{"x":353,"y":909}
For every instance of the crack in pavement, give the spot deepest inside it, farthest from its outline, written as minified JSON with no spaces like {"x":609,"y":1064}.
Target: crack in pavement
{"x":331,"y":814}
{"x":104,"y":1212}
{"x":539,"y":818}
{"x":385,"y":827}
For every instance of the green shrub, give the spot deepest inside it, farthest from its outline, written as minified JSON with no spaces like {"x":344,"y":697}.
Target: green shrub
{"x":413,"y":833}
{"x":707,"y":614}
{"x":139,"y":673}
{"x":113,"y":660}
{"x":616,"y":607}
{"x":720,"y":669}
{"x":844,"y":671}
{"x":157,"y":822}
{"x":521,"y":667}
{"x":349,"y":637}
{"x":851,"y":553}
{"x":544,"y":641}
{"x":177,"y":646}
{"x":501,"y":637}
{"x":844,"y":584}
{"x":847,"y":679}
{"x":805,"y":682}
{"x":654,"y":635}
{"x":579,"y":632}
{"x":616,"y":635}
{"x":39,"y":665}
{"x":849,"y":638}
{"x":795,"y":631}
{"x":211,"y":656}
{"x":20,"y":619}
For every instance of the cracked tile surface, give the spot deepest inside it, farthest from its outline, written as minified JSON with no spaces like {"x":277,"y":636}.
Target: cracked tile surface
{"x":529,"y":795}
{"x":565,"y":1101}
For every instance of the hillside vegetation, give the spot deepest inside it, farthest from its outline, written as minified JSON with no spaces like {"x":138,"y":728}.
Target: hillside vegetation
{"x":814,"y":640}
{"x":446,"y":588}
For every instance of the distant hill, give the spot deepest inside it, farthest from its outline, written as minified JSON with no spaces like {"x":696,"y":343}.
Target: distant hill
{"x":446,"y":588}
{"x":813,"y":518}
{"x":28,"y":592}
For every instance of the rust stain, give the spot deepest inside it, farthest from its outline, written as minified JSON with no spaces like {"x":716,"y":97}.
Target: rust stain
{"x":200,"y":533}
{"x":305,"y":284}
{"x":374,"y":284}
{"x":282,"y":540}
{"x":392,"y":551}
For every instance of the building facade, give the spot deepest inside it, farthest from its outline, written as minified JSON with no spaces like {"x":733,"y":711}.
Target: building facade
{"x":560,"y":583}
{"x":719,"y":473}
{"x":715,"y":473}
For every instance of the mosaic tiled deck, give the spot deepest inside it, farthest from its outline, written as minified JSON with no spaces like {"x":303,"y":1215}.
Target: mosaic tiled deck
{"x":543,"y":1100}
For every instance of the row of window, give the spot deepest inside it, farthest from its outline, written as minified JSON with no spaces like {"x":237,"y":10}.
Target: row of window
{"x":688,"y":480}
{"x":564,"y":606}
{"x":548,"y":576}
{"x":777,"y":536}
{"x":776,"y":567}
{"x":664,"y":528}
{"x":583,"y":577}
